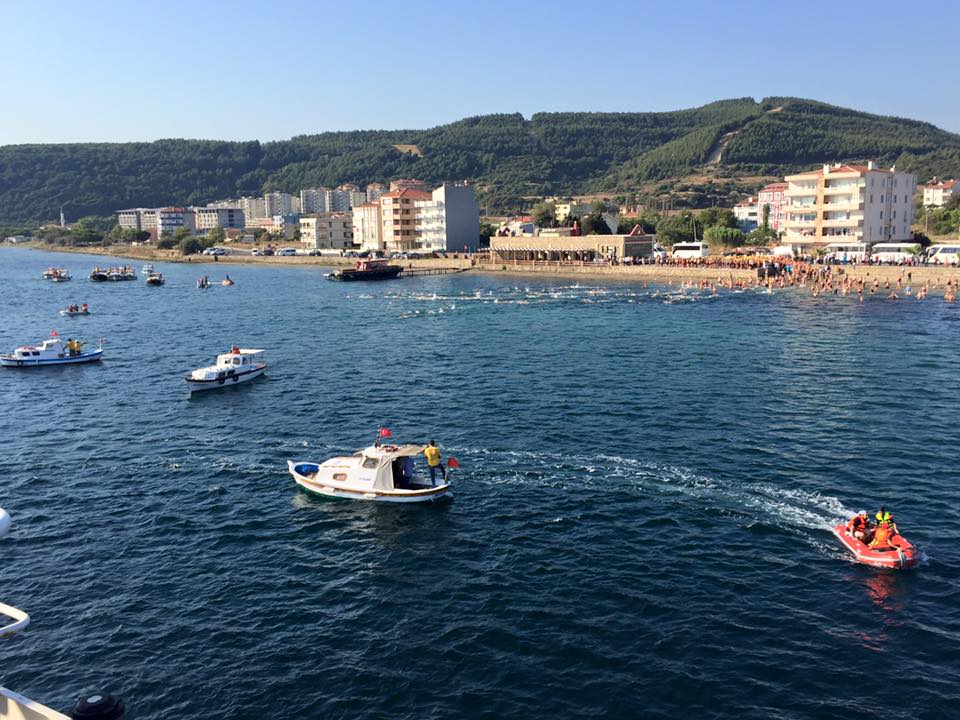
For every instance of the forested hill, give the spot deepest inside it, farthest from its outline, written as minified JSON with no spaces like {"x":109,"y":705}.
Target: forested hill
{"x":508,"y":157}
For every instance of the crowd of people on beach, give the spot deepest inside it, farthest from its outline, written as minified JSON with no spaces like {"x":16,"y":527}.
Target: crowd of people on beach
{"x":823,"y":280}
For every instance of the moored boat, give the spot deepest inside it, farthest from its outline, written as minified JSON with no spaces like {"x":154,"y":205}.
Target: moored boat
{"x":237,"y":366}
{"x":52,"y":351}
{"x":147,"y":269}
{"x":155,"y":279}
{"x":113,"y":274}
{"x":367,"y":270}
{"x":379,"y":473}
{"x":898,"y":554}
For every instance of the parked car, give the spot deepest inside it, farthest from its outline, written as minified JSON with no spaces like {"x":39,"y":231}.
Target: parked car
{"x":214,"y":251}
{"x":313,"y":252}
{"x":255,"y":251}
{"x":267,"y":252}
{"x":286,"y":252}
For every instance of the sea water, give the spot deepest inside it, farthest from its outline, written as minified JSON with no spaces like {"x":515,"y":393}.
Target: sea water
{"x":641,"y":521}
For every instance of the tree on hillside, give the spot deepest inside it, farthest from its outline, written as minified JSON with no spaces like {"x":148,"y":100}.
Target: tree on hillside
{"x":487,"y":231}
{"x":718,"y":217}
{"x":676,"y":229}
{"x":181,"y":234}
{"x":765,"y":218}
{"x":190,"y":245}
{"x":544,"y":214}
{"x":216,"y":235}
{"x":594,"y":224}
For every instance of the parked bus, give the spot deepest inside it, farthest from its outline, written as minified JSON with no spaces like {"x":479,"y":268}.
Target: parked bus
{"x":894,"y":253}
{"x":843,"y":252}
{"x":691,"y":250}
{"x":944,"y":254}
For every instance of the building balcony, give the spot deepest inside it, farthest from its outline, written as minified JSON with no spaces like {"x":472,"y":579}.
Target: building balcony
{"x":843,"y":222}
{"x":801,"y":191}
{"x":842,"y":189}
{"x":855,"y":203}
{"x":801,"y":208}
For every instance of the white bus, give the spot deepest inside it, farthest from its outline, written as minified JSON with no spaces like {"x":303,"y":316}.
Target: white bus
{"x":894,"y":252}
{"x":690,"y":250}
{"x":944,"y":254}
{"x":844,"y":252}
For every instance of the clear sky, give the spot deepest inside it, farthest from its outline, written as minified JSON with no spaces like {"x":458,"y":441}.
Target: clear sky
{"x":100,"y":70}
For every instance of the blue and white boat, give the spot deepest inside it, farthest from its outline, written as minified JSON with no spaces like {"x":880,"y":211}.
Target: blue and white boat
{"x":234,"y":367}
{"x":52,"y":351}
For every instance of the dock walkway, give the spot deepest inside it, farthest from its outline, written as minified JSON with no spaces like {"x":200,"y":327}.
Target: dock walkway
{"x":415,"y":272}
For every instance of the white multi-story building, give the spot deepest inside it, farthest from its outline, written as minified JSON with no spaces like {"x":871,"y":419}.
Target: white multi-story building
{"x":135,"y":218}
{"x":171,"y":219}
{"x":327,"y":231}
{"x":208,"y":218}
{"x":253,"y":207}
{"x":747,"y":214}
{"x":855,"y":204}
{"x":278,"y":203}
{"x":314,"y":200}
{"x":936,"y":194}
{"x":449,"y":220}
{"x":367,"y":230}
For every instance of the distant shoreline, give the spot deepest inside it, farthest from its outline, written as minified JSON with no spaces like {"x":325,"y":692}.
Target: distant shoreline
{"x":667,"y":274}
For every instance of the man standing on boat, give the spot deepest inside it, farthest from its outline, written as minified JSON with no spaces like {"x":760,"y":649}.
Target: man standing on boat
{"x":432,"y":453}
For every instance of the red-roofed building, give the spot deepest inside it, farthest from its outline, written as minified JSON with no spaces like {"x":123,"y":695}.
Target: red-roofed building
{"x":937,"y":193}
{"x":774,"y":195}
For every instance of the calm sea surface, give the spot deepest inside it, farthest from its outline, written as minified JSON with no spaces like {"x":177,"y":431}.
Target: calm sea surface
{"x":640,"y":527}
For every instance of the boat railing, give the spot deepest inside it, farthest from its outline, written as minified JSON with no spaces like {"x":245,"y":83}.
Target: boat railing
{"x":19,"y":618}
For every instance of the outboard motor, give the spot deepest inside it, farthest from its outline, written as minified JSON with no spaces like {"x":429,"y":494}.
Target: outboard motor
{"x":99,"y":706}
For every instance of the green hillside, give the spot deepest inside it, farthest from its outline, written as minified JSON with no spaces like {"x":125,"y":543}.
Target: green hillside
{"x":508,"y":157}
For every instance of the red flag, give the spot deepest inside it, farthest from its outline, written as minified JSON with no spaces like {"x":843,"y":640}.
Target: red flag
{"x":54,"y":333}
{"x":385,"y":432}
{"x":452,"y":463}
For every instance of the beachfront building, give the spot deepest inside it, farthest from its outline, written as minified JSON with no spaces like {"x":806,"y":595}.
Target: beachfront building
{"x":398,"y":222}
{"x":936,"y":193}
{"x":171,"y":219}
{"x":207,"y":218}
{"x":566,"y":208}
{"x":367,"y":230}
{"x":449,"y":221}
{"x":327,"y":231}
{"x":774,"y":196}
{"x":283,"y":225}
{"x":849,"y":204}
{"x":137,"y":218}
{"x":747,"y":214}
{"x":565,"y":248}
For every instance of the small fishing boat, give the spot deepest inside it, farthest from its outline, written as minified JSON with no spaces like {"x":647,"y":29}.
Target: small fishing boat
{"x":367,"y":270}
{"x":147,"y":269}
{"x":898,"y":554}
{"x":379,"y":473}
{"x":74,"y":310}
{"x":114,"y":274}
{"x":57,"y":274}
{"x":237,"y":366}
{"x":155,"y":279}
{"x":52,"y":351}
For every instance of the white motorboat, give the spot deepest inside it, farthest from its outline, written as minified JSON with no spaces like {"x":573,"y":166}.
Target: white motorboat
{"x":74,"y":310}
{"x":237,"y":366}
{"x":380,"y":473}
{"x":57,"y":274}
{"x":52,"y":351}
{"x":146,"y":269}
{"x":155,"y":279}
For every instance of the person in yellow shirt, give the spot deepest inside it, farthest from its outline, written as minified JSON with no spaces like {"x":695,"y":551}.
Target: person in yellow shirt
{"x":432,"y":453}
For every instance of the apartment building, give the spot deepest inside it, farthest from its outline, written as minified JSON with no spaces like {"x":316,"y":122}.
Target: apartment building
{"x":936,"y":194}
{"x":773,"y":195}
{"x":367,"y":230}
{"x":171,"y":219}
{"x":747,"y":214}
{"x":253,"y":207}
{"x":314,"y":200}
{"x":449,"y":221}
{"x":278,"y":203}
{"x":398,"y":219}
{"x":137,"y":218}
{"x":327,"y":231}
{"x":564,"y":209}
{"x":858,"y":204}
{"x":207,"y":218}
{"x":375,"y":190}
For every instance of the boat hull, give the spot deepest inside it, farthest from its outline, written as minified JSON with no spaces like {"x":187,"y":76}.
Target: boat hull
{"x":343,"y":491}
{"x":12,"y":362}
{"x":901,"y":555}
{"x":350,"y":275}
{"x":68,"y":313}
{"x":224,"y":379}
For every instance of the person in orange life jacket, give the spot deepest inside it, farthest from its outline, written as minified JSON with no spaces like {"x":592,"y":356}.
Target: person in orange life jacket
{"x":881,"y":538}
{"x":859,"y":525}
{"x":432,"y":453}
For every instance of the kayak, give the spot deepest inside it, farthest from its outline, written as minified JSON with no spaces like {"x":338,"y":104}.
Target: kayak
{"x":899,"y":555}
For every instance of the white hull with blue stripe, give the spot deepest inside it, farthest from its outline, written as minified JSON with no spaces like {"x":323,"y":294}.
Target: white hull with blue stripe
{"x":52,"y":351}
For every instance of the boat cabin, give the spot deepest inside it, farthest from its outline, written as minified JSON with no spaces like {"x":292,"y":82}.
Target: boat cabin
{"x":49,"y":348}
{"x":378,"y":468}
{"x":238,"y":357}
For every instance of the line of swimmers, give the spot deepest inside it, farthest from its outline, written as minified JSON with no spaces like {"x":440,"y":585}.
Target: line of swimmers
{"x":876,"y":535}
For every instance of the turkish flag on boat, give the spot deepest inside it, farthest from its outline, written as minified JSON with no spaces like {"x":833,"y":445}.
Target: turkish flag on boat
{"x":452,"y":463}
{"x":385,"y":432}
{"x":54,"y":333}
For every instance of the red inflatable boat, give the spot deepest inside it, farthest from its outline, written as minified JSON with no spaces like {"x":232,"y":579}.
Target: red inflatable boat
{"x":899,"y":554}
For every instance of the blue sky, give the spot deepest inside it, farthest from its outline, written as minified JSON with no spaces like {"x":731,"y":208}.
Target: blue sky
{"x":120,"y":71}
